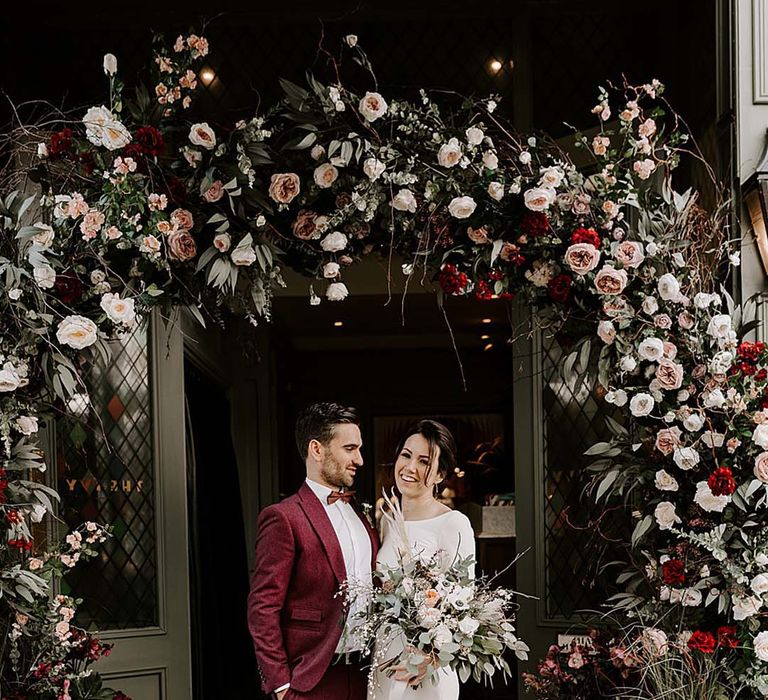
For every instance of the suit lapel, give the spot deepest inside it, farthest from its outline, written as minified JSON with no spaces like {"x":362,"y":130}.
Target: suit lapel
{"x":372,"y":534}
{"x":321,"y":524}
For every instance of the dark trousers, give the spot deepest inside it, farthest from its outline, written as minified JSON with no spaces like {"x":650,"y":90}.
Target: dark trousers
{"x":341,"y":682}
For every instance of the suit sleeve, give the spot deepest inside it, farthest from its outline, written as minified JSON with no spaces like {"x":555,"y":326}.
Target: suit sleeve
{"x":275,"y":552}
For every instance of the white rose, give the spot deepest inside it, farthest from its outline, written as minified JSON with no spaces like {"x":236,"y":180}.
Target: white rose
{"x":77,"y":331}
{"x":641,"y":404}
{"x":714,"y":399}
{"x":496,"y":190}
{"x":317,"y":152}
{"x":628,"y":363}
{"x":462,"y":207}
{"x":650,"y":305}
{"x":707,"y":500}
{"x":669,"y":287}
{"x":243,"y":256}
{"x":760,"y":645}
{"x":118,"y":310}
{"x":115,"y":136}
{"x":721,"y":362}
{"x":404,"y":201}
{"x":449,"y":153}
{"x":202,"y":135}
{"x":44,"y":235}
{"x":490,"y":160}
{"x":760,"y":584}
{"x":665,"y":515}
{"x":694,"y":422}
{"x":469,"y":626}
{"x":760,"y":435}
{"x":337,"y":291}
{"x":325,"y":175}
{"x":222,"y":242}
{"x":702,"y":300}
{"x":719,"y":326}
{"x":617,"y":398}
{"x":651,"y":349}
{"x":539,"y":198}
{"x":110,"y":64}
{"x":746,"y":606}
{"x":551,"y":177}
{"x":95,"y":119}
{"x":334,"y":242}
{"x":429,"y":617}
{"x":686,"y":458}
{"x":373,"y":168}
{"x":691,"y":598}
{"x":45,"y":276}
{"x":665,"y":481}
{"x":26,"y":425}
{"x":712,"y":439}
{"x":525,"y":157}
{"x":9,"y":378}
{"x":474,"y":135}
{"x":441,"y":635}
{"x":330,"y":270}
{"x":761,"y":467}
{"x":372,"y":106}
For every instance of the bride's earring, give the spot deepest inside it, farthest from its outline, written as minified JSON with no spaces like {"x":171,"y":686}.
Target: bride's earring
{"x":436,"y":490}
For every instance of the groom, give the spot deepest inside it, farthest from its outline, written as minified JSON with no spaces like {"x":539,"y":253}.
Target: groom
{"x":306,"y":547}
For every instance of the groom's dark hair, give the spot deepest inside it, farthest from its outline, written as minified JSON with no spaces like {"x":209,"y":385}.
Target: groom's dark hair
{"x":316,"y":422}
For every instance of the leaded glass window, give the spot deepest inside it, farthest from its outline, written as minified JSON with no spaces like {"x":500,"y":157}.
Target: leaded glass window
{"x":106,"y":474}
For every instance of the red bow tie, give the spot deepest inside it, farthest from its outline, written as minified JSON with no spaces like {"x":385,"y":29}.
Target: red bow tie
{"x":345,"y":496}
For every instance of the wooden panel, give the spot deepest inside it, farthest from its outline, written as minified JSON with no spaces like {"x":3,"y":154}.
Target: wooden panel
{"x":760,"y":51}
{"x":147,"y":684}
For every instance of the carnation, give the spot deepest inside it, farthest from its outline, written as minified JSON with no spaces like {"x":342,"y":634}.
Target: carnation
{"x":709,"y":501}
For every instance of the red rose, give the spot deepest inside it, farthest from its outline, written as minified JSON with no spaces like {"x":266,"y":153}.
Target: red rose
{"x":86,"y":161}
{"x":673,"y":572}
{"x":560,"y":288}
{"x":721,"y":482}
{"x":702,"y":641}
{"x":726,"y":637}
{"x":534,"y":223}
{"x":451,"y":280}
{"x":761,"y":375}
{"x":482,"y":291}
{"x":61,"y":142}
{"x":68,"y":288}
{"x":149,"y":140}
{"x":586,"y":235}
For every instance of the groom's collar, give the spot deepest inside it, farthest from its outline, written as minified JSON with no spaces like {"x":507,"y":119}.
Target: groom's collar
{"x":322,"y":492}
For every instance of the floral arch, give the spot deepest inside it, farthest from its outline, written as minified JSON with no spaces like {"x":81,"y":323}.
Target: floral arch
{"x":131,"y":206}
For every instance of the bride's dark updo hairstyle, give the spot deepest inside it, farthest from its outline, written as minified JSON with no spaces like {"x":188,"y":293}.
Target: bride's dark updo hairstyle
{"x":436,"y":435}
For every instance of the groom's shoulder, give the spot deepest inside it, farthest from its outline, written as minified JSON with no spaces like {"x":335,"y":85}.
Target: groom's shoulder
{"x":287,"y":508}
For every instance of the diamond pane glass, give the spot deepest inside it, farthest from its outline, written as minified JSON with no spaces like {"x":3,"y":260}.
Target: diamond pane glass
{"x":574,"y":419}
{"x":106,"y":474}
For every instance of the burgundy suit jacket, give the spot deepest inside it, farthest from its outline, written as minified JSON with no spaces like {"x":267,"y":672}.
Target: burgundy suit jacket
{"x":293,"y":615}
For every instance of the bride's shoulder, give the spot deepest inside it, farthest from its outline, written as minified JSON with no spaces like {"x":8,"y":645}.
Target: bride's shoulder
{"x":458,"y":520}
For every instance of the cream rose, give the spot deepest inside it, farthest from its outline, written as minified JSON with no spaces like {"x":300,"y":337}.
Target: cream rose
{"x":77,"y":331}
{"x":9,"y":378}
{"x":284,"y":187}
{"x":337,"y":291}
{"x":202,"y":135}
{"x":45,"y":276}
{"x":707,"y":500}
{"x":373,"y":168}
{"x":539,"y":198}
{"x":325,"y":175}
{"x":669,"y":375}
{"x":641,"y":404}
{"x":331,"y":270}
{"x":760,"y":436}
{"x":26,"y":425}
{"x":118,"y":310}
{"x":664,"y":481}
{"x":215,"y":192}
{"x":449,"y":153}
{"x":551,"y":177}
{"x":222,"y":242}
{"x":651,"y":349}
{"x":496,"y":191}
{"x":462,"y":207}
{"x":43,"y":236}
{"x":474,"y":136}
{"x":761,"y":467}
{"x":582,"y":258}
{"x":606,"y":331}
{"x":404,"y":201}
{"x":669,"y":287}
{"x":666,"y":517}
{"x":490,"y":160}
{"x":372,"y":106}
{"x":760,"y":645}
{"x":334,"y":242}
{"x":243,"y":256}
{"x":610,"y":280}
{"x":629,"y":253}
{"x":745,"y":607}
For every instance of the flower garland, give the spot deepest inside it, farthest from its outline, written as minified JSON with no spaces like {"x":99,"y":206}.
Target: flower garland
{"x":137,"y":207}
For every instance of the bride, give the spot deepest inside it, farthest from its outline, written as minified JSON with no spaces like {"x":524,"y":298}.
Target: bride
{"x":425,"y":456}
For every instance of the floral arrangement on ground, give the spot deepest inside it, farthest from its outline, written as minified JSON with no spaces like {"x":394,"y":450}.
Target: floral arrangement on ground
{"x":131,"y":205}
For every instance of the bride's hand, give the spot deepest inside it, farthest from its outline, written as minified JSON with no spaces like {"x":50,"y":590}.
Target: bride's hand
{"x":401,"y":672}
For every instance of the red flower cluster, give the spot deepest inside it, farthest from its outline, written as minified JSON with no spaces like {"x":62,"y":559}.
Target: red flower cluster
{"x":68,"y":288}
{"x":61,"y":143}
{"x":560,"y":288}
{"x":534,"y":223}
{"x":747,"y":357}
{"x":451,"y":280}
{"x":586,"y":235}
{"x":149,"y":140}
{"x":483,"y":291}
{"x":721,"y":482}
{"x":750,"y":351}
{"x":13,"y":516}
{"x":673,"y":572}
{"x":702,"y":641}
{"x":726,"y":637}
{"x":22,"y":544}
{"x":3,"y":485}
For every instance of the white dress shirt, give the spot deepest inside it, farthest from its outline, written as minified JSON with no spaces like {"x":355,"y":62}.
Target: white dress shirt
{"x":355,"y":547}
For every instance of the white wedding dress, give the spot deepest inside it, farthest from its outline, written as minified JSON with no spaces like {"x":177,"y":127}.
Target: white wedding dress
{"x":452,"y":535}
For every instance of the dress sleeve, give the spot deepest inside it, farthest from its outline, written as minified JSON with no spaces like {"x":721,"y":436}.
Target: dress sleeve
{"x":458,"y":541}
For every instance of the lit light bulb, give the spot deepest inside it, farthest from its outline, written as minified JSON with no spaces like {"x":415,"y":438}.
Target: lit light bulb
{"x":338,"y":324}
{"x":207,"y":76}
{"x":485,"y":337}
{"x":488,"y":347}
{"x":487,"y":320}
{"x":495,"y":65}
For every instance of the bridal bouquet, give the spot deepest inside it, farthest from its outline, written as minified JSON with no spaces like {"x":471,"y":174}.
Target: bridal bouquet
{"x":422,"y":617}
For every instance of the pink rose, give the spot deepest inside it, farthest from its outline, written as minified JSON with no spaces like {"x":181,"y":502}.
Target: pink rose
{"x":183,"y":219}
{"x":670,"y":350}
{"x":305,"y":225}
{"x":685,"y":320}
{"x":610,"y":281}
{"x":629,"y":253}
{"x":284,"y":187}
{"x":669,"y":375}
{"x":478,"y":235}
{"x":662,"y":321}
{"x":761,"y":467}
{"x":215,"y":192}
{"x":508,"y":251}
{"x":181,"y":245}
{"x":668,"y":440}
{"x":582,"y":257}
